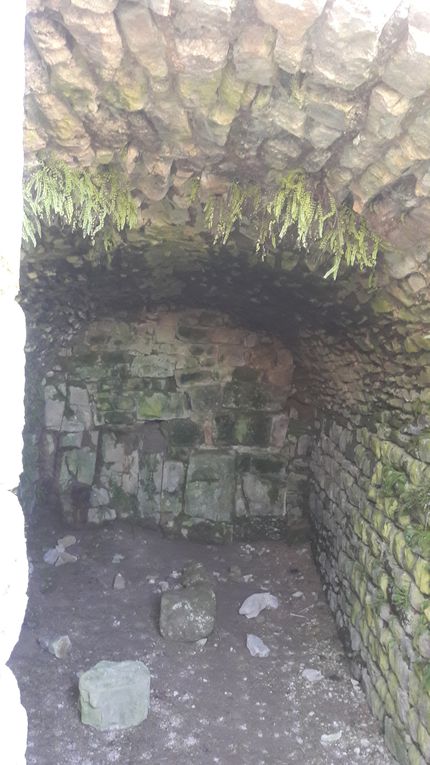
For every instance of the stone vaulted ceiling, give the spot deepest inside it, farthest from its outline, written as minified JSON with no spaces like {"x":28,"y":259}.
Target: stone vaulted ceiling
{"x":238,"y":89}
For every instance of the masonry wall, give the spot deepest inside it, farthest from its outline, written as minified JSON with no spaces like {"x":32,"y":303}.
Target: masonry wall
{"x":371,"y":447}
{"x":183,"y":420}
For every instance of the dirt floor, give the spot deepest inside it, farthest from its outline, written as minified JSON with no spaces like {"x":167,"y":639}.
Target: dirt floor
{"x":215,"y":704}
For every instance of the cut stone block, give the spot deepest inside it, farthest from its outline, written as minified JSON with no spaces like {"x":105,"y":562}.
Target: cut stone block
{"x":209,"y":491}
{"x":188,"y":614}
{"x":114,"y":694}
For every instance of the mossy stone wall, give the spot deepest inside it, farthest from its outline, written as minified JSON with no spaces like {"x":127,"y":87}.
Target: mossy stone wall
{"x":371,"y":429}
{"x":179,"y":419}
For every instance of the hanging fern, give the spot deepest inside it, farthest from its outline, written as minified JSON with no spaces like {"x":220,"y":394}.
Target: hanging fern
{"x":91,"y":201}
{"x":295,"y":206}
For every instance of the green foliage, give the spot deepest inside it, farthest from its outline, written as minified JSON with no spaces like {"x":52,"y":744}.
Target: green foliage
{"x":424,"y":674}
{"x":400,"y":598}
{"x":419,"y":538}
{"x":297,"y":206}
{"x":393,"y":482}
{"x":416,"y":502}
{"x":92,"y":201}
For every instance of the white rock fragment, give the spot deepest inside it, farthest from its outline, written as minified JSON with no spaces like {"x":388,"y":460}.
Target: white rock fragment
{"x":331,"y":738}
{"x":65,"y":557}
{"x":297,"y":594}
{"x":256,"y":647}
{"x":312,"y":675}
{"x":57,"y":556}
{"x":118,"y":582}
{"x":117,"y":558}
{"x":66,"y":541}
{"x":201,"y":643}
{"x":256,"y":603}
{"x":163,"y":586}
{"x":51,"y":556}
{"x":59,"y":646}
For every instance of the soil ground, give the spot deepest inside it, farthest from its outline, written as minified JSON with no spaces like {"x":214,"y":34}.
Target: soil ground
{"x":215,"y":704}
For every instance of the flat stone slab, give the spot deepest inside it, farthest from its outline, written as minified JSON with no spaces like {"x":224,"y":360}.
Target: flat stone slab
{"x":188,"y":615}
{"x":114,"y":694}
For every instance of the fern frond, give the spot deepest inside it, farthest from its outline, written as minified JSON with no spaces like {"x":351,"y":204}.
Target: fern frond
{"x":80,"y":198}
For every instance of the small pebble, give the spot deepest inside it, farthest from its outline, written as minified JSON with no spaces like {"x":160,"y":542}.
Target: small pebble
{"x":330,"y":738}
{"x":67,"y":541}
{"x":65,"y":557}
{"x":118,"y":582}
{"x":59,"y":646}
{"x":312,"y":675}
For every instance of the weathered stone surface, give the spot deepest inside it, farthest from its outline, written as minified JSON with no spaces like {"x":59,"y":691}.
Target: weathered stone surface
{"x":210,"y":486}
{"x":188,"y":615}
{"x":97,"y":36}
{"x":144,"y":39}
{"x":114,"y":695}
{"x":252,"y":54}
{"x":164,"y":85}
{"x":292,"y":19}
{"x":408,"y":70}
{"x":349,"y":41}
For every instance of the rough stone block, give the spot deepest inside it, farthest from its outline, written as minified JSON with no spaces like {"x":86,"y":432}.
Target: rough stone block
{"x":263,"y":497}
{"x":114,"y":695}
{"x":209,"y":492}
{"x":188,"y":614}
{"x":161,"y":406}
{"x":245,"y":429}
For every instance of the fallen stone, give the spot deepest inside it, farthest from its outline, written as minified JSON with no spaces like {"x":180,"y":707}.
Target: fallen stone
{"x":66,"y":541}
{"x":51,"y":556}
{"x":57,"y":556}
{"x":188,"y":614}
{"x":330,"y":738}
{"x":257,"y":602}
{"x":256,"y":647}
{"x":59,"y":646}
{"x":114,"y":695}
{"x":117,"y":558}
{"x":118,"y":582}
{"x":312,"y":675}
{"x":65,"y":557}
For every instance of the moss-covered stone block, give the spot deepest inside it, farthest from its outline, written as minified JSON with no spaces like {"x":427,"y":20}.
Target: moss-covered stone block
{"x":421,"y":574}
{"x":78,"y":465}
{"x":180,"y":433}
{"x":161,"y":406}
{"x":149,"y":492}
{"x":205,"y":398}
{"x":123,"y":503}
{"x":246,"y":394}
{"x":152,"y":365}
{"x":244,"y":429}
{"x":210,"y":488}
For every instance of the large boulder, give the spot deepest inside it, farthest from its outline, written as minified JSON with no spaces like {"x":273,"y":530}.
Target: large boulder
{"x":114,"y":694}
{"x":188,"y":614}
